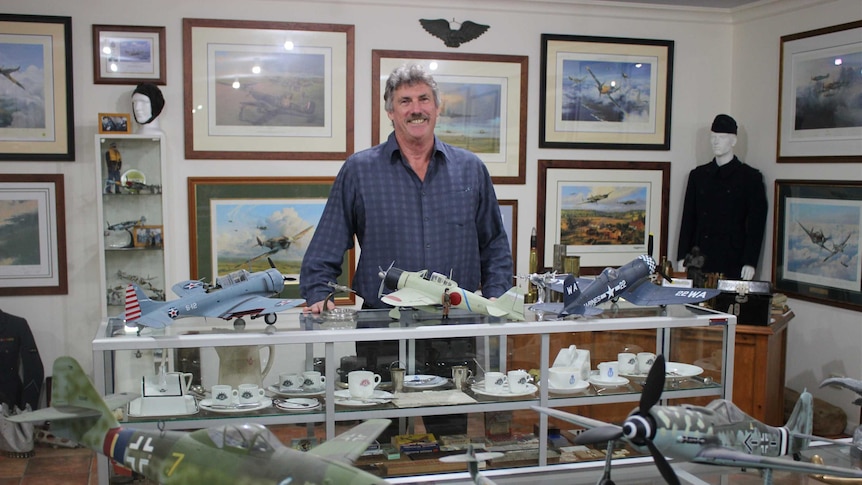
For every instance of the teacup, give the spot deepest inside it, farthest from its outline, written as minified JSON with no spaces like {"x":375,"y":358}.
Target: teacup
{"x":250,"y":393}
{"x":495,"y":382}
{"x":290,"y":382}
{"x":609,"y":371}
{"x":645,"y":361}
{"x":361,"y":383}
{"x":313,"y":379}
{"x":518,"y":381}
{"x":563,"y":377}
{"x":223,"y":394}
{"x":628,"y":363}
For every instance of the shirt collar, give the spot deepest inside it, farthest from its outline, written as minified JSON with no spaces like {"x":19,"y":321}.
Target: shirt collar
{"x":391,"y":148}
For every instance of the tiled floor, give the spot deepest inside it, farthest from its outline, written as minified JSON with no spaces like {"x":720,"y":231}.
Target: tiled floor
{"x":64,"y":466}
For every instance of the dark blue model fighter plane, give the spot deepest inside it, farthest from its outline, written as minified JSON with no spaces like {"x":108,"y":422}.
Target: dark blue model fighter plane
{"x":631,"y":282}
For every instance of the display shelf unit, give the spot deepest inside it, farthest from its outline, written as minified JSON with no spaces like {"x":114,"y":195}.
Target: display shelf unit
{"x":308,"y":338}
{"x":131,"y":217}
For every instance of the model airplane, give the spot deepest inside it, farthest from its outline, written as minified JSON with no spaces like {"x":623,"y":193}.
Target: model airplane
{"x":718,"y":434}
{"x":125,"y":225}
{"x":424,"y":291}
{"x":473,"y":459}
{"x":229,"y":454}
{"x":630,"y":282}
{"x":847,"y":383}
{"x":235,"y":295}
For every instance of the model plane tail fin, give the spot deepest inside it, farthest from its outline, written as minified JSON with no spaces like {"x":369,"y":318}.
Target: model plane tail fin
{"x":800,"y":423}
{"x":571,"y":292}
{"x":513,"y":303}
{"x":137,"y":303}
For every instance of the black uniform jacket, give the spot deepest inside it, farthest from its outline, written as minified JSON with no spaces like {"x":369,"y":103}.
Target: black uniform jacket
{"x":19,"y":357}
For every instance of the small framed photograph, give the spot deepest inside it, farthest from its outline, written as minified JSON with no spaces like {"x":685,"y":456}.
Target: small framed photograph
{"x":149,"y":237}
{"x":115,"y":123}
{"x":124,"y":54}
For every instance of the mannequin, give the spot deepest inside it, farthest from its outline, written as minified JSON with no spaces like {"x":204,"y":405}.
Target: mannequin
{"x":725,"y":209}
{"x":147,"y":104}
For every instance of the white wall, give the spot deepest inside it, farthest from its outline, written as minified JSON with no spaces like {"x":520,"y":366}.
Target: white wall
{"x":706,"y":77}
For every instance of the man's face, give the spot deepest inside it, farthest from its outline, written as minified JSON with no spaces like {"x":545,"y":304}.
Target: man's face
{"x":722,"y":143}
{"x":414,"y":113}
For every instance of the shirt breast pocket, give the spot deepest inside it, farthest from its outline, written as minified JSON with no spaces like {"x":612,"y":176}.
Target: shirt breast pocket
{"x":459,"y":206}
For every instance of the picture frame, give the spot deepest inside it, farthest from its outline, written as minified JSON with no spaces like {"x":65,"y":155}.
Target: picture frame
{"x":605,"y":93}
{"x":129,"y":54}
{"x":39,"y":50}
{"x":246,"y":96}
{"x":232,"y":221}
{"x":484,"y":105}
{"x":114,"y":123}
{"x":509,"y":212}
{"x":149,"y":237}
{"x":818,"y":120}
{"x":33,"y":235}
{"x":816,"y":241}
{"x":610,"y":209}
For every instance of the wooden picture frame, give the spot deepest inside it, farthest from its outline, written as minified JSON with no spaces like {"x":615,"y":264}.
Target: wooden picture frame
{"x":816,"y":241}
{"x":267,"y":90}
{"x":33,"y":235}
{"x":232,"y":221}
{"x":605,"y":93}
{"x":148,"y":237}
{"x":609,"y":209}
{"x":114,"y":123}
{"x":509,"y":212}
{"x":39,"y":49}
{"x":484,"y":105}
{"x":818,"y":119}
{"x":129,"y":54}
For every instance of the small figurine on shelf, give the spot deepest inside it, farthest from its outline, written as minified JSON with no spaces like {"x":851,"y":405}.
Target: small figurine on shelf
{"x":447,"y":303}
{"x":147,"y":104}
{"x":114,"y":163}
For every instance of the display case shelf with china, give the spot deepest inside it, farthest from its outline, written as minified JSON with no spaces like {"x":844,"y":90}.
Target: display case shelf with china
{"x":131,"y":216}
{"x":269,"y":356}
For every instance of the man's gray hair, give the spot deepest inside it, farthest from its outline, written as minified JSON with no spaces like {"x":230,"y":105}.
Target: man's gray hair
{"x":409,"y":74}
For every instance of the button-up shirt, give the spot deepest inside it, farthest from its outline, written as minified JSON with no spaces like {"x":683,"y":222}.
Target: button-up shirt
{"x":448,"y":223}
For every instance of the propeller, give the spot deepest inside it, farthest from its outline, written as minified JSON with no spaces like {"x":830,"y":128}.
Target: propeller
{"x":283,"y":277}
{"x":658,"y":268}
{"x":640,"y":426}
{"x":382,"y":275}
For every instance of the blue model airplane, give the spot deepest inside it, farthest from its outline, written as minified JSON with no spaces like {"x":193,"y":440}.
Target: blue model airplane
{"x":235,"y":295}
{"x":630,"y":282}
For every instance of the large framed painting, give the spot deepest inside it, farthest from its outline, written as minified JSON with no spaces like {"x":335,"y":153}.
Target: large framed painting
{"x":32,"y":235}
{"x":605,"y":93}
{"x":243,"y":222}
{"x":483,"y":105}
{"x":129,"y":54}
{"x":602,"y":211}
{"x":819,"y":114}
{"x":816,"y":241}
{"x":267,"y":90}
{"x":36,"y":101}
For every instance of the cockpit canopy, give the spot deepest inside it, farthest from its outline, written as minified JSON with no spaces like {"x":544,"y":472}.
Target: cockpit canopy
{"x":611,"y":273}
{"x":251,"y":437}
{"x":442,"y":279}
{"x":232,"y":278}
{"x":727,"y":411}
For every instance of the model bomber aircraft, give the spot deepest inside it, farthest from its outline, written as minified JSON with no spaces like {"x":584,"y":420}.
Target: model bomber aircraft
{"x":424,"y":291}
{"x":228,"y":454}
{"x":717,"y":434}
{"x":235,"y":295}
{"x":630,"y":282}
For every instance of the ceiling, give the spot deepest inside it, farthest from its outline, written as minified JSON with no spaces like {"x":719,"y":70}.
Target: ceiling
{"x":695,"y":3}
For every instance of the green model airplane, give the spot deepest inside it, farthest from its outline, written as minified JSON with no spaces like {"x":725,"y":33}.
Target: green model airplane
{"x":232,"y":454}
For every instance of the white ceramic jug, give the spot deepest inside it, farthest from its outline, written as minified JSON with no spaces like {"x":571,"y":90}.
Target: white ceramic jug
{"x":565,"y":357}
{"x":242,"y":364}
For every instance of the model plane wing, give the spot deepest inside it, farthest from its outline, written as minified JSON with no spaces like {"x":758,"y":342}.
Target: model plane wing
{"x":727,"y":457}
{"x":347,"y":446}
{"x":258,"y":304}
{"x":409,"y":297}
{"x":645,"y":293}
{"x":159,"y":318}
{"x":190,"y":287}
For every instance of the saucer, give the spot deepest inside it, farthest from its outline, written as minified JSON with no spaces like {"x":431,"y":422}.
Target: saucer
{"x":343,"y":398}
{"x":295,"y":392}
{"x":421,"y":381}
{"x":209,"y":405}
{"x":616,"y":381}
{"x":479,"y":388}
{"x":580,"y":386}
{"x":673,"y":371}
{"x":297,"y":404}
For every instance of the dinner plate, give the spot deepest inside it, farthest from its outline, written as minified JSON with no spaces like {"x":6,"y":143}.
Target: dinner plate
{"x":377,"y":394}
{"x":614,"y":382}
{"x":421,"y":381}
{"x":208,"y":405}
{"x":580,"y":386}
{"x":479,"y":388}
{"x":673,"y":371}
{"x":343,"y":398}
{"x":295,"y":392}
{"x":297,"y":404}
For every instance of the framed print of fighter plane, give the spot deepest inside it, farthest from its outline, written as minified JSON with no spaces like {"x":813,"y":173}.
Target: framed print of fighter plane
{"x":243,"y":222}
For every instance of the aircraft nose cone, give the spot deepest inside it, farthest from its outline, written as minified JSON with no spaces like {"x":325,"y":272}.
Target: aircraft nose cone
{"x":391,"y":278}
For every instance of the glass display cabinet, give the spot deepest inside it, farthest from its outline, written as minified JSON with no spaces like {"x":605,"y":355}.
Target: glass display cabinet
{"x":200,"y":353}
{"x":131,"y":216}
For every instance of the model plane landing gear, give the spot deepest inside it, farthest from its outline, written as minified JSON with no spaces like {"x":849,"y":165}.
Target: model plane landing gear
{"x":270,"y":318}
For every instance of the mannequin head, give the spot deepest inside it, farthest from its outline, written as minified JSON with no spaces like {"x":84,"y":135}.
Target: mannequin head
{"x":147,"y":103}
{"x":723,"y":138}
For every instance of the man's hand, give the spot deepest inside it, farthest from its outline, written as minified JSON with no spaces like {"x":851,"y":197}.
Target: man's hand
{"x":318,"y":307}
